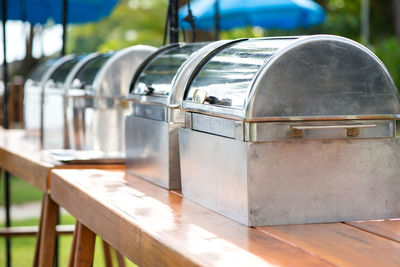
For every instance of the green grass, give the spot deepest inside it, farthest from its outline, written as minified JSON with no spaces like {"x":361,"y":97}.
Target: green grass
{"x":23,"y":247}
{"x":21,"y":192}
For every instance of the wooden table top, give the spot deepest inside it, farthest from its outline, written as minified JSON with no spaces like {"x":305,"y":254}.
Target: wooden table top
{"x":155,"y":227}
{"x":21,"y":155}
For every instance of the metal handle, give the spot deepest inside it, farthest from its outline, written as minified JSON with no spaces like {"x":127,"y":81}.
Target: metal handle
{"x":353,"y":130}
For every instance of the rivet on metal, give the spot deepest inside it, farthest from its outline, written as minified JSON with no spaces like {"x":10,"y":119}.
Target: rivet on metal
{"x":353,"y":132}
{"x":297,"y":132}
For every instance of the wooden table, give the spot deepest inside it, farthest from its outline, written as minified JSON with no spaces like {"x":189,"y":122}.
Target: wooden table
{"x":155,"y":227}
{"x":22,"y":157}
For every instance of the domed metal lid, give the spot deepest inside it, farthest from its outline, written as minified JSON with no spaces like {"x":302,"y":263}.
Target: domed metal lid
{"x":294,"y":78}
{"x":157,"y":81}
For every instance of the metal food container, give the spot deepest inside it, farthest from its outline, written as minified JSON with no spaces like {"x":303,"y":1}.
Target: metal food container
{"x":53,"y":100}
{"x":33,"y":91}
{"x":96,"y":103}
{"x":157,"y":89}
{"x":292,"y":130}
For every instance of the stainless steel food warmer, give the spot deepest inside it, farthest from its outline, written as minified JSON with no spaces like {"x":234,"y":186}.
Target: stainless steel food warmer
{"x":151,"y":130}
{"x":95,"y":100}
{"x":53,"y":116}
{"x":33,"y":91}
{"x":292,"y":130}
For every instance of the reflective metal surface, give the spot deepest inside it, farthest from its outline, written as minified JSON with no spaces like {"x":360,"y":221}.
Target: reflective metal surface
{"x":69,"y":156}
{"x":158,"y":76}
{"x":291,"y":182}
{"x":84,"y":78}
{"x":186,"y":70}
{"x":226,"y":78}
{"x":75,"y":70}
{"x":67,"y":105}
{"x":179,"y":75}
{"x":152,"y":151}
{"x":96,"y":107}
{"x":33,"y":92}
{"x":152,"y":139}
{"x":294,"y":79}
{"x":53,"y":102}
{"x":330,"y":76}
{"x":272,"y":131}
{"x":292,"y":133}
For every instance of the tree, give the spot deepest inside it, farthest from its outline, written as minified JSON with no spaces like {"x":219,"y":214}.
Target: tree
{"x":132,"y":22}
{"x":143,"y":21}
{"x":396,"y":14}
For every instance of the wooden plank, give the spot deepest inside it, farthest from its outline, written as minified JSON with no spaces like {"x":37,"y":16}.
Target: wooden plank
{"x":154,"y":227}
{"x":339,"y":243}
{"x":33,"y":230}
{"x":22,"y":157}
{"x":84,"y":251}
{"x":65,"y":229}
{"x":389,"y":229}
{"x":48,"y":233}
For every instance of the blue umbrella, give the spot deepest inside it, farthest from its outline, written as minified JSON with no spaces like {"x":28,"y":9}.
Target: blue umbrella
{"x":39,"y":11}
{"x":271,"y":14}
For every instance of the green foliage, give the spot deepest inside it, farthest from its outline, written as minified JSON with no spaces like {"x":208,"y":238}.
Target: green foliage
{"x":388,"y":50}
{"x":142,"y":22}
{"x":23,"y":248}
{"x":131,"y":22}
{"x":343,"y":18}
{"x":21,"y":192}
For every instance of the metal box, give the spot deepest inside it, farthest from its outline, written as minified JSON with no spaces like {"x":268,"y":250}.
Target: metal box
{"x":152,"y":128}
{"x":33,"y":94}
{"x":95,"y":106}
{"x":292,"y":130}
{"x":53,"y":101}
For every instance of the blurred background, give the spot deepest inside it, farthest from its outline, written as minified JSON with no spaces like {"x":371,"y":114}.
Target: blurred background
{"x":375,"y":24}
{"x":143,"y":21}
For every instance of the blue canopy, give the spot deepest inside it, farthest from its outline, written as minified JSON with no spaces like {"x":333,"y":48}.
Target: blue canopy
{"x":269,"y":14}
{"x":39,"y":11}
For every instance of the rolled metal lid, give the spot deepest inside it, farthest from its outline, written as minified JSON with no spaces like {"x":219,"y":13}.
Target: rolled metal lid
{"x":44,"y":71}
{"x":85,"y":76}
{"x":34,"y":89}
{"x":40,"y":70}
{"x":108,"y":75}
{"x":59,"y":76}
{"x":68,"y":88}
{"x":114,"y":77}
{"x":294,"y":78}
{"x":156,"y":79}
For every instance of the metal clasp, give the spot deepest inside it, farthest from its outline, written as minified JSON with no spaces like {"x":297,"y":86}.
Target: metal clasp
{"x":352,"y":130}
{"x":297,"y":132}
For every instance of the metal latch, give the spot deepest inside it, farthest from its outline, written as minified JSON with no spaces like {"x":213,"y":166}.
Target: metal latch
{"x":352,"y":130}
{"x":199,"y":96}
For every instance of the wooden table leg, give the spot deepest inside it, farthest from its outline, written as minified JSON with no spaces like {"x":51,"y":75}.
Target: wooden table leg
{"x":120,"y":258}
{"x":84,"y":251}
{"x":107,"y":254}
{"x":38,"y":235}
{"x":48,"y":232}
{"x":108,"y":257}
{"x":73,"y":245}
{"x":106,"y":248}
